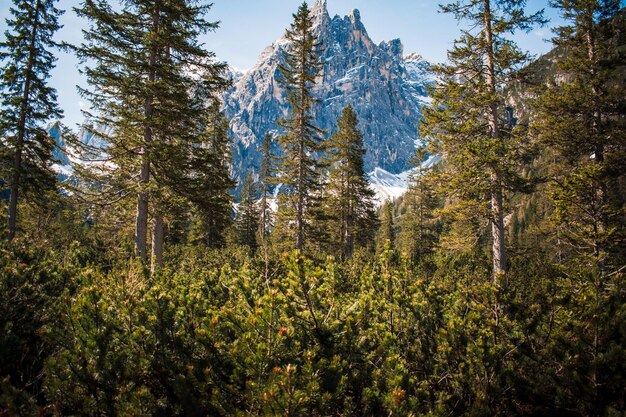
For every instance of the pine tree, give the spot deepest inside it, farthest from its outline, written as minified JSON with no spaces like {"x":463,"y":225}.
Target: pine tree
{"x":195,"y":170}
{"x":419,"y":226}
{"x":144,"y":65}
{"x":581,"y":119}
{"x":349,"y":197}
{"x":300,"y":173}
{"x":387,"y":233}
{"x":247,"y":220}
{"x":206,"y":182}
{"x":267,"y":180}
{"x":27,"y":101}
{"x":467,"y":123}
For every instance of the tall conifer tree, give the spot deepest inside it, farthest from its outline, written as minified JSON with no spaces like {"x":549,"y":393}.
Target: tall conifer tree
{"x":467,"y":121}
{"x":387,"y":233}
{"x":247,"y":220}
{"x":581,"y":119}
{"x":207,"y":181}
{"x":144,"y":65}
{"x":300,"y":173}
{"x":27,"y":101}
{"x":267,"y":180}
{"x":419,"y":225}
{"x":350,"y":203}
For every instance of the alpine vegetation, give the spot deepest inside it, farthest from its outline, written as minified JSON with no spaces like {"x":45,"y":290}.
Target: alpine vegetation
{"x":342,"y":230}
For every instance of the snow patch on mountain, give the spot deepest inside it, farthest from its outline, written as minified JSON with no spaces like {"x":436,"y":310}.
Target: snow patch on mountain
{"x":386,"y":185}
{"x":91,"y":150}
{"x":389,"y":186}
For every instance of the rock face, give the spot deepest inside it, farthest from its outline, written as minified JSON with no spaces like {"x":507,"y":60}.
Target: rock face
{"x":59,"y":153}
{"x":386,"y":88}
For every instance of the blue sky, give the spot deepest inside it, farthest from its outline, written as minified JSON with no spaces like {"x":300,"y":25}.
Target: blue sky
{"x":248,"y":26}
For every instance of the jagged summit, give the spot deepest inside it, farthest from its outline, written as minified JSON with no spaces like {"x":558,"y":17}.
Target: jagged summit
{"x":320,"y":5}
{"x":355,"y":16}
{"x":386,"y":89}
{"x":319,"y":8}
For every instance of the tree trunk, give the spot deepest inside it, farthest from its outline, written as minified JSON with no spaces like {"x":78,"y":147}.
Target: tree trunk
{"x":263,"y":215}
{"x":15,"y":183}
{"x":141,"y":224}
{"x":301,"y":152}
{"x":497,"y":221}
{"x":597,"y":115}
{"x":21,"y":130}
{"x":349,"y":218}
{"x":157,"y":244}
{"x":263,"y":234}
{"x":497,"y":232}
{"x":300,"y":203}
{"x":265,"y":177}
{"x":599,"y":244}
{"x":349,"y":245}
{"x":301,"y":188}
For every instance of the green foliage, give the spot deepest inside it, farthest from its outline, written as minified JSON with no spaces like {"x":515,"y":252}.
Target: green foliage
{"x":133,"y":346}
{"x":349,"y":200}
{"x":419,"y":222}
{"x":27,"y":102}
{"x":467,"y":123}
{"x":33,"y":282}
{"x":420,"y":329}
{"x":300,"y":169}
{"x":247,"y":219}
{"x":223,"y":333}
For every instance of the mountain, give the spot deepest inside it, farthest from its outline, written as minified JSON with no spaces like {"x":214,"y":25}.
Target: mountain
{"x":60,"y":155}
{"x":388,"y":186}
{"x":386,"y":88}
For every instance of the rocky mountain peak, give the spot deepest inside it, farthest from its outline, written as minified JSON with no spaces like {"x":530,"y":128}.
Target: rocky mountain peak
{"x":386,"y":89}
{"x":321,"y":18}
{"x":394,"y":48}
{"x":413,"y":57}
{"x":355,"y":16}
{"x":320,"y":5}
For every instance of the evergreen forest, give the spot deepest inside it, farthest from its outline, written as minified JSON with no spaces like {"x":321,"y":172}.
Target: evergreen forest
{"x":152,"y":282}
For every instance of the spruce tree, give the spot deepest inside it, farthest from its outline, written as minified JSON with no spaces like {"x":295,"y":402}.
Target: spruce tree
{"x":349,"y":198}
{"x":195,"y":170}
{"x":467,"y":122}
{"x":201,"y":175}
{"x":419,"y":226}
{"x":387,"y":233}
{"x":144,"y":64}
{"x":300,"y":173}
{"x":247,"y":220}
{"x":581,"y":119}
{"x":266,"y":181}
{"x":28,"y":102}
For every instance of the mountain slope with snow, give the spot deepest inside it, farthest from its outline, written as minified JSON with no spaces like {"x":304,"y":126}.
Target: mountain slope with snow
{"x":386,"y":88}
{"x":389,"y":186}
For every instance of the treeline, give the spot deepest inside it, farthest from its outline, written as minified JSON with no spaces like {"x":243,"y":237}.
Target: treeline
{"x":494,"y":286}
